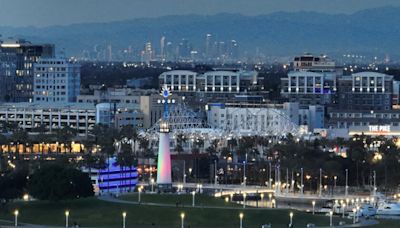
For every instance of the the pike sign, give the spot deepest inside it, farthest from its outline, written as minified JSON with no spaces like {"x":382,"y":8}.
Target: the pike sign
{"x":379,"y":128}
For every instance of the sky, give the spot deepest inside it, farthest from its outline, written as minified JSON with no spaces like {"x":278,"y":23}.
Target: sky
{"x":41,"y":13}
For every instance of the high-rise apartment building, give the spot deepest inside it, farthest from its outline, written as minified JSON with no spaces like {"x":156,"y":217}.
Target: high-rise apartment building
{"x":312,"y":80}
{"x":16,"y":68}
{"x":56,"y":80}
{"x":365,"y":91}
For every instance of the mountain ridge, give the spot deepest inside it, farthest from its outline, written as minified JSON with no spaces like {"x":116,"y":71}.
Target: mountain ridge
{"x":280,"y":33}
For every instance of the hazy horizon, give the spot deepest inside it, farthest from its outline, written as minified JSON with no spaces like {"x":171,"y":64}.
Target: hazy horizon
{"x":42,"y":13}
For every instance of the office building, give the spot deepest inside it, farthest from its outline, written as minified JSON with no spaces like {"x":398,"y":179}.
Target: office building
{"x":16,"y":68}
{"x":215,"y":81}
{"x":56,"y":81}
{"x":312,"y":80}
{"x":365,"y":91}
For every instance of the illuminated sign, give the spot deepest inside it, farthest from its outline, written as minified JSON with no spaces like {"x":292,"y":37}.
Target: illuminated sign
{"x":379,"y":128}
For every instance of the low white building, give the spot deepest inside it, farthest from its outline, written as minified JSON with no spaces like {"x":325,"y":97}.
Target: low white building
{"x":254,"y":118}
{"x":217,"y":81}
{"x":264,"y":119}
{"x":80,"y":116}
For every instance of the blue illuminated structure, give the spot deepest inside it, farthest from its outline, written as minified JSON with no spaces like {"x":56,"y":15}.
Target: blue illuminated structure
{"x":115,"y":178}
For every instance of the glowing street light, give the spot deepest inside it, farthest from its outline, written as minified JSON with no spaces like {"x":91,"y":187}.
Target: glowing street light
{"x":182,"y":219}
{"x":313,"y":207}
{"x":123,"y":219}
{"x":244,"y":200}
{"x":66,"y":218}
{"x":344,"y":209}
{"x":291,"y":218}
{"x":330,"y":218}
{"x":354,"y":215}
{"x":139,"y":191}
{"x":262,"y":198}
{"x":241,"y":219}
{"x":152,"y":184}
{"x":193,"y":198}
{"x":16,"y":212}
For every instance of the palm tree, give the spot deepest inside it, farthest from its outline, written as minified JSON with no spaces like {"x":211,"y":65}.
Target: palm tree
{"x":180,"y":140}
{"x":65,"y":136}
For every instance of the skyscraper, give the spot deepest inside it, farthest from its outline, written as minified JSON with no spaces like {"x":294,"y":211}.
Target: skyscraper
{"x":162,"y":48}
{"x":208,"y":49}
{"x":56,"y":81}
{"x":16,"y":68}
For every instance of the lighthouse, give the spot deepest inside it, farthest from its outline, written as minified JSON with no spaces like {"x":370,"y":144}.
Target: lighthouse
{"x":164,"y":179}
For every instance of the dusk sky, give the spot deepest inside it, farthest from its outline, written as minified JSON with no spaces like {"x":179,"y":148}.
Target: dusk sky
{"x":54,"y":12}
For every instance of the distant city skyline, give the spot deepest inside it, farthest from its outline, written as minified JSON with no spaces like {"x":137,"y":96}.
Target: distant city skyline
{"x":55,"y":12}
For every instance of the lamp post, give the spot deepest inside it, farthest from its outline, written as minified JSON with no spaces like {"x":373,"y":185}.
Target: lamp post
{"x":241,"y":219}
{"x":139,"y":191}
{"x":357,"y":210}
{"x":344,"y":209}
{"x":123,"y":219}
{"x":152,"y":184}
{"x":182,"y":220}
{"x":16,"y":212}
{"x":193,"y":198}
{"x":334,"y":183}
{"x":244,"y":171}
{"x":347,"y":183}
{"x":301,"y":182}
{"x":320,"y":182}
{"x":291,"y":219}
{"x":66,"y":218}
{"x":244,"y":200}
{"x":354,"y":215}
{"x":313,"y":207}
{"x":262,"y":198}
{"x":330,"y":218}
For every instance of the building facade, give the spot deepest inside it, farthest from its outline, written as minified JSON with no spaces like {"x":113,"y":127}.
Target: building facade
{"x":216,"y":81}
{"x":365,"y":91}
{"x":17,"y":58}
{"x":251,"y":118}
{"x":56,"y":81}
{"x":81,"y":117}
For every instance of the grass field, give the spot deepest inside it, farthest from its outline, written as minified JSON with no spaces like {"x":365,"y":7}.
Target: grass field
{"x":96,"y":213}
{"x":184,"y":200}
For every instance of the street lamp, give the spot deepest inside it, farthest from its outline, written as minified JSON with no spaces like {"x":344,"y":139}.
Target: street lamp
{"x":193,"y":198}
{"x":139,"y":191}
{"x":354,"y":215}
{"x":182,"y":219}
{"x":347,"y":183}
{"x":244,"y":200}
{"x":334,"y":184}
{"x":152,"y":184}
{"x":123,"y":219}
{"x":66,"y":218}
{"x":330,"y":218}
{"x":262,"y":198}
{"x":241,"y":219}
{"x":344,"y":208}
{"x":16,"y":212}
{"x":291,"y":218}
{"x":301,"y":182}
{"x":313,"y":207}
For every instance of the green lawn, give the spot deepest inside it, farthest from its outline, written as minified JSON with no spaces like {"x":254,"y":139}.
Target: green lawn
{"x":93,"y":212}
{"x":184,"y":200}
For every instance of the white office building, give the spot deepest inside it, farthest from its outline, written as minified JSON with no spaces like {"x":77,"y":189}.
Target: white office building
{"x":56,"y":81}
{"x":216,"y":81}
